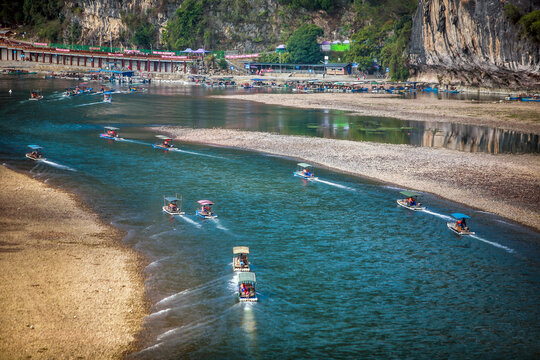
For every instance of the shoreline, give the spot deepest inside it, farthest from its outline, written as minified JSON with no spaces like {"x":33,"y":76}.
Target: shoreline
{"x":480,"y":183}
{"x":70,"y":287}
{"x":517,"y":116}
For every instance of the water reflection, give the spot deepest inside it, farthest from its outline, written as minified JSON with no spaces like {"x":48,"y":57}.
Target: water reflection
{"x":468,"y":138}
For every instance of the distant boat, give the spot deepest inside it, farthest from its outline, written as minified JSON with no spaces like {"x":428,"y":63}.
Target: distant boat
{"x":410,"y":202}
{"x":305,"y":171}
{"x":246,"y":287}
{"x":206,"y":211}
{"x":170,"y":205}
{"x":459,"y":227}
{"x":240,"y":258}
{"x":36,"y":153}
{"x":165,"y":145}
{"x":111,"y":134}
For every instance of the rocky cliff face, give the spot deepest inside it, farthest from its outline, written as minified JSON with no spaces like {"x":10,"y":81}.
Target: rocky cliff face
{"x":243,"y":25}
{"x":102,"y":20}
{"x":470,"y":42}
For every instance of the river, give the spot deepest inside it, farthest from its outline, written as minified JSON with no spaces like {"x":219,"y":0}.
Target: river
{"x":342,"y":271}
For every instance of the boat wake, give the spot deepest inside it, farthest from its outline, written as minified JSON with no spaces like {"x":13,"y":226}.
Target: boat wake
{"x":188,"y":220}
{"x":94,"y":103}
{"x":133,"y":141}
{"x":493,"y":243}
{"x":56,"y":165}
{"x":196,"y":153}
{"x":219,"y":226}
{"x":335,"y":184}
{"x":203,"y":287}
{"x":442,"y":216}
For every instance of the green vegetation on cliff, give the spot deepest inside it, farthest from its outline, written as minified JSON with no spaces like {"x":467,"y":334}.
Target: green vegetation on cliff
{"x":303,"y":46}
{"x":186,"y":27}
{"x":384,"y":35}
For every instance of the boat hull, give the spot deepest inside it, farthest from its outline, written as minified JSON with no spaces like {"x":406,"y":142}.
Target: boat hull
{"x":308,"y":178}
{"x":105,"y":136}
{"x":159,"y":146}
{"x":165,"y":209}
{"x":254,"y":299}
{"x":403,"y":202}
{"x":31,"y":157}
{"x":205,"y":216}
{"x":452,"y":226}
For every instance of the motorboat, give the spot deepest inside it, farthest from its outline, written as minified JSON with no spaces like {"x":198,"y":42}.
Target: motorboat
{"x":170,"y":205}
{"x":36,"y":153}
{"x":111,"y":134}
{"x":165,"y":144}
{"x":240,"y":258}
{"x":246,"y":287}
{"x":410,"y":202}
{"x":107,"y":97}
{"x":459,"y":226}
{"x":206,"y":210}
{"x":305,"y":171}
{"x":35,"y":95}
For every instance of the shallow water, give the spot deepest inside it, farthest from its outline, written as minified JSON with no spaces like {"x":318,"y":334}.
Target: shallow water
{"x":342,"y":271}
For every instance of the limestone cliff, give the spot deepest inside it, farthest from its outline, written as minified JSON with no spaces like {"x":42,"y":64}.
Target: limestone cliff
{"x":243,"y":25}
{"x":471,"y":42}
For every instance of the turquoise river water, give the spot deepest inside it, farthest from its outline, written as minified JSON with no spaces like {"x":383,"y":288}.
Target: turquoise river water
{"x":342,"y":271}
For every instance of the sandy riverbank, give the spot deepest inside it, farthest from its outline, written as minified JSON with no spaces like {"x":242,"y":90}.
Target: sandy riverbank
{"x":481,"y":181}
{"x":518,"y":116}
{"x":69,"y":288}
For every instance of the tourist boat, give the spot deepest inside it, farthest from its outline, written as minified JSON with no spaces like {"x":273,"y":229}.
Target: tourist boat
{"x":35,"y":95}
{"x":240,"y":258}
{"x":170,"y":205}
{"x":406,"y":203}
{"x":165,"y":144}
{"x":111,"y":134}
{"x":305,"y":171}
{"x":36,"y":153}
{"x":206,"y":211}
{"x":531,"y":98}
{"x":246,"y":287}
{"x":459,"y":226}
{"x":107,"y":97}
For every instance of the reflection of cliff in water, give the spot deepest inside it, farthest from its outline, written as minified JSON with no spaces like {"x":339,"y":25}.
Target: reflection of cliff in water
{"x":476,"y":139}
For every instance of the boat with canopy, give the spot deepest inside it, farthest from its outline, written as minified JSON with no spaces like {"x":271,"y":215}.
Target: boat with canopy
{"x":246,"y":287}
{"x":170,"y":205}
{"x":460,"y":226}
{"x":111,"y":134}
{"x":36,"y":153}
{"x":206,"y":210}
{"x":410,"y":201}
{"x":107,"y":97}
{"x":305,"y":171}
{"x":165,"y":144}
{"x":240,"y":258}
{"x":35,"y":95}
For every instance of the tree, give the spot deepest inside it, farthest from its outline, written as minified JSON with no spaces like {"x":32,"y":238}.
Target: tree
{"x":186,"y":26}
{"x":303,"y":46}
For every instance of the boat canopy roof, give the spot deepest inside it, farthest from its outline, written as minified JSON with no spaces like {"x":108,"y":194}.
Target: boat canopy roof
{"x":172,"y":198}
{"x":244,"y":277}
{"x":409,"y":193}
{"x":163,"y":137}
{"x":304,"y":165}
{"x":240,"y":250}
{"x":460,"y":216}
{"x":111,"y":128}
{"x":35,"y":147}
{"x":205,"y":202}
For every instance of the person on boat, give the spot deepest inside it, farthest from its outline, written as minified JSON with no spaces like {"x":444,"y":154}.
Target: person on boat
{"x":463,"y":224}
{"x":243,"y":290}
{"x":173,"y":207}
{"x":243,"y":259}
{"x":459,"y":225}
